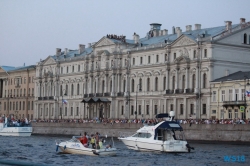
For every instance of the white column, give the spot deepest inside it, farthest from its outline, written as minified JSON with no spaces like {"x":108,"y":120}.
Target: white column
{"x":106,"y":84}
{"x":113,"y":85}
{"x":167,"y":79}
{"x":233,"y":95}
{"x":196,"y":79}
{"x":176,"y":79}
{"x":118,"y":82}
{"x":187,"y":78}
{"x":97,"y":84}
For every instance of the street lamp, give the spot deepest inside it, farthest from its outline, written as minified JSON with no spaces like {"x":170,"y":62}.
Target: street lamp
{"x":136,"y":99}
{"x":62,"y":100}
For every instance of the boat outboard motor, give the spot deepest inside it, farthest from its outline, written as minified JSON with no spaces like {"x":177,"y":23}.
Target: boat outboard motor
{"x":189,"y":147}
{"x":171,"y":115}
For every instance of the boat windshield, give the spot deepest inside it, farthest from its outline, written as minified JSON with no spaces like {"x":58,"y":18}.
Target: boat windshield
{"x":142,"y":135}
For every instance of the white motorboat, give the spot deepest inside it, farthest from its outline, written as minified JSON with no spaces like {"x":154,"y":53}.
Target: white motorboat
{"x":8,"y":129}
{"x":74,"y":146}
{"x":166,"y":136}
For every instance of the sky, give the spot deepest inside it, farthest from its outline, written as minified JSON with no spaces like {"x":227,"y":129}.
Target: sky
{"x":31,"y":30}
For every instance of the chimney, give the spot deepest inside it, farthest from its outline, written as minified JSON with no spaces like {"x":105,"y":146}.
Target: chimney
{"x":81,"y":48}
{"x":58,"y":51}
{"x":188,"y":28}
{"x":89,"y":45}
{"x":197,"y":26}
{"x":164,"y":32}
{"x":156,"y":28}
{"x":178,"y":31}
{"x":228,"y":25}
{"x":65,"y":51}
{"x":136,"y":38}
{"x":242,"y":20}
{"x":173,"y":30}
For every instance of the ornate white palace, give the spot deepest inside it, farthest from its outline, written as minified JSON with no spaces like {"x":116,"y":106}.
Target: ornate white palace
{"x":121,"y":78}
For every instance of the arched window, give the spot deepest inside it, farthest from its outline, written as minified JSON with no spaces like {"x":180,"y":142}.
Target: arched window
{"x":183,"y":81}
{"x":173,"y":83}
{"x":245,"y":39}
{"x":148,"y":84}
{"x":66,"y":90}
{"x":72,"y":90}
{"x":164,"y":83}
{"x":111,"y":86}
{"x":124,"y":85}
{"x":133,"y":85}
{"x":78,"y":89}
{"x":204,"y":80}
{"x":193,"y":81}
{"x":103,"y":85}
{"x":140,"y":82}
{"x":156,"y":84}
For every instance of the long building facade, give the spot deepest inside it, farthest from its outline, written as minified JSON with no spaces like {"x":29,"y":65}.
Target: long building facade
{"x":17,"y":91}
{"x":121,"y":78}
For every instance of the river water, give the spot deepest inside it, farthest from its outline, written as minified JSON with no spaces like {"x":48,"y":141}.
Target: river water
{"x":41,"y":150}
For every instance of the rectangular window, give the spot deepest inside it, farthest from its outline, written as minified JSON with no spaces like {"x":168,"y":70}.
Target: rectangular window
{"x":79,"y":67}
{"x":139,"y":109}
{"x":166,"y":57}
{"x":61,"y":70}
{"x":191,"y":109}
{"x":204,"y":109}
{"x":181,"y":109}
{"x":71,"y":111}
{"x":214,"y":96}
{"x":77,"y":111}
{"x":65,"y":111}
{"x":243,"y":94}
{"x":156,"y":109}
{"x":157,"y":58}
{"x":133,"y":61}
{"x":230,"y":114}
{"x":236,"y":113}
{"x":147,"y":109}
{"x":132,"y":110}
{"x":213,"y":111}
{"x":237,"y":94}
{"x":32,"y":105}
{"x":52,"y":112}
{"x":23,"y":105}
{"x":141,"y":60}
{"x":223,"y":95}
{"x":28,"y":105}
{"x":194,"y":54}
{"x":122,"y":112}
{"x":230,"y":95}
{"x":148,"y":59}
{"x":174,"y":56}
{"x":171,"y":107}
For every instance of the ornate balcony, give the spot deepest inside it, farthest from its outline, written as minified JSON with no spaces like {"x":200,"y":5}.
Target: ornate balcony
{"x":234,"y":103}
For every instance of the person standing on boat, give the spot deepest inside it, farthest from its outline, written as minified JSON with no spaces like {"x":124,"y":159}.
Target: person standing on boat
{"x":92,"y":141}
{"x":85,"y":139}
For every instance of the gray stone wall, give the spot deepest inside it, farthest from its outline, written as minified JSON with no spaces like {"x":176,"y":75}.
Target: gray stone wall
{"x":194,"y":132}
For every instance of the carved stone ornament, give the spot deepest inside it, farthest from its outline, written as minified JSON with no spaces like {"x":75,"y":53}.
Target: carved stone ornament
{"x":155,"y":101}
{"x":184,"y":41}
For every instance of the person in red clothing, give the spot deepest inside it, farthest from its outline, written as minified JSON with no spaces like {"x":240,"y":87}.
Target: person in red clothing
{"x":84,"y":140}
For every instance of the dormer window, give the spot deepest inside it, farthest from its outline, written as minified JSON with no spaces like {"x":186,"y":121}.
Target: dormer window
{"x":205,"y":53}
{"x":245,"y":38}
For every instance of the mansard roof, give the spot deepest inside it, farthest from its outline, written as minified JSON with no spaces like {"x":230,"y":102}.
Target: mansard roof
{"x":240,"y":75}
{"x":72,"y":54}
{"x":10,"y":68}
{"x":191,"y":34}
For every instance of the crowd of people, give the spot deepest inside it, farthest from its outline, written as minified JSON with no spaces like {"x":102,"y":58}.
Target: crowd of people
{"x":11,"y":121}
{"x":147,"y":121}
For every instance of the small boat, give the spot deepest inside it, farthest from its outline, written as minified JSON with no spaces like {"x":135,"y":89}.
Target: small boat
{"x":74,"y":146}
{"x":166,"y":136}
{"x":10,"y":129}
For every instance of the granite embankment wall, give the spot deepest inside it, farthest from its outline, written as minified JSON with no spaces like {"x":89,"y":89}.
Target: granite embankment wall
{"x":200,"y":132}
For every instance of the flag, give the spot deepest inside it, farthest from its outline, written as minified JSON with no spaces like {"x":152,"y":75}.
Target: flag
{"x":248,"y":93}
{"x":64,"y":101}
